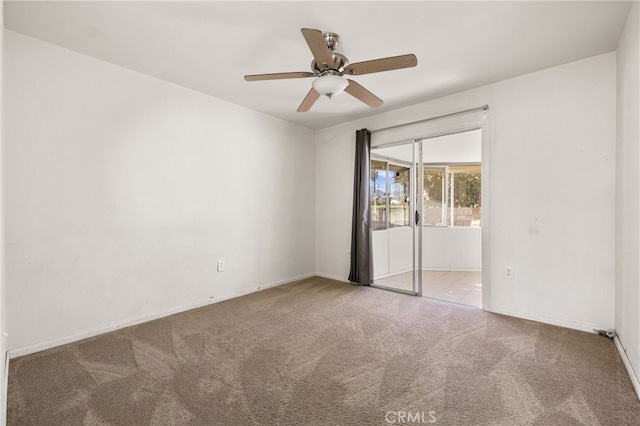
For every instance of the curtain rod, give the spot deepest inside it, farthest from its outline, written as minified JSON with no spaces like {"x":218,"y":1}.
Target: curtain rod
{"x":483,"y":107}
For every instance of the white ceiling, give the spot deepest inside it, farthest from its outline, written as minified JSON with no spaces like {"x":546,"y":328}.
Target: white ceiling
{"x":210,"y":46}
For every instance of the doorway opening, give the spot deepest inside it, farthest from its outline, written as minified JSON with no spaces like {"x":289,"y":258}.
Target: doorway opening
{"x":439,"y":254}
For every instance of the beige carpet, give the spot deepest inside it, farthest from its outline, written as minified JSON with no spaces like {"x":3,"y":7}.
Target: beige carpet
{"x":321,"y":352}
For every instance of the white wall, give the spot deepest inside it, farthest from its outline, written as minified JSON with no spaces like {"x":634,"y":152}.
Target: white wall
{"x":443,"y":248}
{"x":452,"y":248}
{"x":392,"y":251}
{"x":551,"y":191}
{"x":627,"y":291}
{"x":123,"y":191}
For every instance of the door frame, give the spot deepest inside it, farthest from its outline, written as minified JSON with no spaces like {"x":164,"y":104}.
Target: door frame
{"x":458,"y":126}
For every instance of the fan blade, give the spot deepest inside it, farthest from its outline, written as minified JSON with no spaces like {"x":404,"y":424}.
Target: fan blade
{"x":278,"y":76}
{"x":309,"y":100}
{"x":379,"y":65}
{"x":359,"y":92}
{"x":318,"y":46}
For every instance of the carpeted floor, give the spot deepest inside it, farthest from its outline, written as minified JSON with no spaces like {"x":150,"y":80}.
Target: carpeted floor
{"x":321,"y":352}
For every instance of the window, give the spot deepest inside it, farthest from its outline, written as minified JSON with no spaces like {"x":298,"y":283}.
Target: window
{"x":390,"y":200}
{"x":434,"y":197}
{"x":378,"y":195}
{"x":451,"y":195}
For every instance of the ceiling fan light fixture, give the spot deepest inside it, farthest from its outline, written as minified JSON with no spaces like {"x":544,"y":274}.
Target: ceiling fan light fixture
{"x":330,"y":85}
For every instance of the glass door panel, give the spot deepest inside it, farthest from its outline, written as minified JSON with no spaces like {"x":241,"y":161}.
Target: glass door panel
{"x":452,"y":234}
{"x":393,"y":177}
{"x":434,"y":196}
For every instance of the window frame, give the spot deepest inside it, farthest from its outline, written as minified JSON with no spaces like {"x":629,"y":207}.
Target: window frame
{"x":447,"y":215}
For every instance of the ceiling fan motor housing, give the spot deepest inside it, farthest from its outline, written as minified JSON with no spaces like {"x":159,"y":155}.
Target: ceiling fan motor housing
{"x":339,"y":60}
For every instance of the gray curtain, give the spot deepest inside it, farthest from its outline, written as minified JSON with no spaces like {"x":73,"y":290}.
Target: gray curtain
{"x":361,"y":272}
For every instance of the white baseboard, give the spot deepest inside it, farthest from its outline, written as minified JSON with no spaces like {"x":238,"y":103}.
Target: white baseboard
{"x":452,"y":269}
{"x":547,"y":320}
{"x":331,"y":277}
{"x":14,"y":353}
{"x":627,"y":364}
{"x":391,"y":274}
{"x":424,"y":268}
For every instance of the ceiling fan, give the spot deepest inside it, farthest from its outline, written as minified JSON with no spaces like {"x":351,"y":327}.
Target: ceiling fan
{"x":329,"y":68}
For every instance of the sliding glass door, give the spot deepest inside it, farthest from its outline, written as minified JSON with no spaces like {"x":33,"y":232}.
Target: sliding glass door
{"x":426,"y":217}
{"x":440,"y":248}
{"x":394,"y":207}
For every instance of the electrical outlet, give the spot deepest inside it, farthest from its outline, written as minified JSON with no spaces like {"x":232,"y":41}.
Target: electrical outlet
{"x":220,"y":265}
{"x":508,"y":272}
